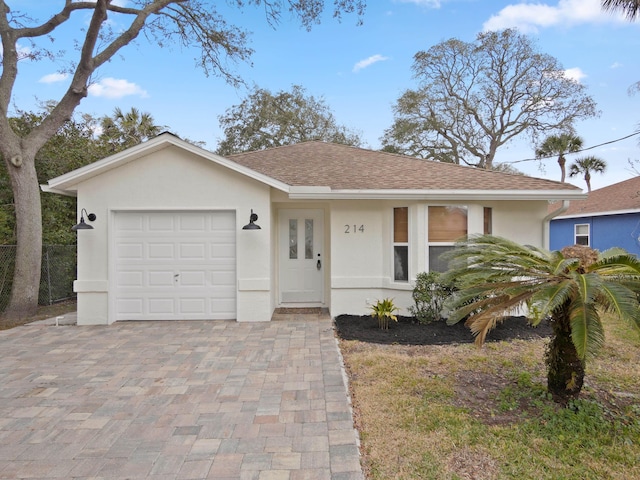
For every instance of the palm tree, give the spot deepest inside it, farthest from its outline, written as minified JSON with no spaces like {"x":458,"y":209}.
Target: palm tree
{"x":572,"y":287}
{"x":585,"y":166}
{"x":630,"y":8}
{"x":559,"y":145}
{"x":124,"y":130}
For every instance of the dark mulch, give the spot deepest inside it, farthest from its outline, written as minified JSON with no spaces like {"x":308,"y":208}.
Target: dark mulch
{"x":407,"y":331}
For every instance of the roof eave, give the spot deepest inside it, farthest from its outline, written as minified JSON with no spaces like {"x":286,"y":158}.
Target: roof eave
{"x":598,"y":214}
{"x":67,"y":184}
{"x":326,"y":193}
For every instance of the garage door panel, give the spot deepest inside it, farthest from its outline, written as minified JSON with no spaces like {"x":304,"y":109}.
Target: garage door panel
{"x":160,"y":251}
{"x":193,"y":278}
{"x":129,"y":306}
{"x":165,"y":306}
{"x":158,"y":224}
{"x":175,"y":265}
{"x":160,"y":278}
{"x":193,"y":251}
{"x":130,"y":250}
{"x":131,"y":278}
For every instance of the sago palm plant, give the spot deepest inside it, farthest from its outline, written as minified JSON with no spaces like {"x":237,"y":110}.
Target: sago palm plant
{"x":572,"y":287}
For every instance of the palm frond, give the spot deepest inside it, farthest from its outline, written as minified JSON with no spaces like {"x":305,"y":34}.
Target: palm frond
{"x":548,"y":298}
{"x":587,"y":333}
{"x":623,"y":301}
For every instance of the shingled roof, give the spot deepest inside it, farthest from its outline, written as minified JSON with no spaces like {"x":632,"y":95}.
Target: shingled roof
{"x":622,"y":197}
{"x":343,"y":167}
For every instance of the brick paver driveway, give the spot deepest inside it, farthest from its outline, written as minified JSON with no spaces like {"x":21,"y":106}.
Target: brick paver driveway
{"x":176,"y":400}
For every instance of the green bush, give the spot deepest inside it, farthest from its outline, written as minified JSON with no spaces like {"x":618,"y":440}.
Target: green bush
{"x":429,"y":295}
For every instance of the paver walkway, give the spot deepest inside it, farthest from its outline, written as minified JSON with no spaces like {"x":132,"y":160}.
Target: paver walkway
{"x":176,"y":400}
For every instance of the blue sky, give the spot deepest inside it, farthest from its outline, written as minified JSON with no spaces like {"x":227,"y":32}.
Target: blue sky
{"x":360,"y":71}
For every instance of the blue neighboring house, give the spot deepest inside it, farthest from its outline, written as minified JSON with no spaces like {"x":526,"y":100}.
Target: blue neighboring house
{"x":609,"y":217}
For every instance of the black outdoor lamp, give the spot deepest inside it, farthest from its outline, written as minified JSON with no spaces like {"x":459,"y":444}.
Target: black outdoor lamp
{"x":251,"y":225}
{"x":85,"y":226}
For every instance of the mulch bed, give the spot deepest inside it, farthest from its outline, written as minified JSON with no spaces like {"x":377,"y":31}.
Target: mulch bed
{"x":407,"y":331}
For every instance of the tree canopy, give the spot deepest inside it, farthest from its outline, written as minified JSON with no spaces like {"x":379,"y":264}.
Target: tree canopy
{"x":473,"y":98}
{"x":193,"y":24}
{"x":265,"y":120}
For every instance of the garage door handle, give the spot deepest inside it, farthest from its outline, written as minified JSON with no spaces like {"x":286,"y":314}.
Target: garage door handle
{"x":175,"y":276}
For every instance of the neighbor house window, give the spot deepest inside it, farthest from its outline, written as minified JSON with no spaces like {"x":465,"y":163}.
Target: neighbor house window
{"x":582,"y":234}
{"x":446,"y":225}
{"x":401,"y":244}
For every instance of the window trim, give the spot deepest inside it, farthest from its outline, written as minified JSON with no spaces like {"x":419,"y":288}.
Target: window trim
{"x":582,"y":235}
{"x":395,"y":244}
{"x":428,"y":243}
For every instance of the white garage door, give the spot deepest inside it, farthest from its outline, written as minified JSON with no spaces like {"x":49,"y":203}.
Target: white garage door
{"x":175,"y":265}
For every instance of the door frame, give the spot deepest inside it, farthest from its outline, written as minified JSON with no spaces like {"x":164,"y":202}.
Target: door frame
{"x":282,"y":216}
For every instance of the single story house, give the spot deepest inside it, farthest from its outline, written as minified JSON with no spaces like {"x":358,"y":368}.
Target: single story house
{"x":609,"y":217}
{"x":181,"y":233}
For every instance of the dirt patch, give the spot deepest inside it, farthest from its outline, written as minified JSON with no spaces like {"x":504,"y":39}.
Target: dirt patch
{"x":407,"y":331}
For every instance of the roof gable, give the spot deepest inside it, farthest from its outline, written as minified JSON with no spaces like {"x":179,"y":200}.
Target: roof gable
{"x":622,"y":197}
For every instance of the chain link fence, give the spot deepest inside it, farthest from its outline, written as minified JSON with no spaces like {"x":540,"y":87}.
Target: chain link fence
{"x":56,"y":278}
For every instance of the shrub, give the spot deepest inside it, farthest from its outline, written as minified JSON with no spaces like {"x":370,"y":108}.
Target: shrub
{"x":429,"y":295}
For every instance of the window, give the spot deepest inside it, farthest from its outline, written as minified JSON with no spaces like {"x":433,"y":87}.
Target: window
{"x":488,"y":221}
{"x":581,"y":234}
{"x":401,"y":244}
{"x":446,"y":225}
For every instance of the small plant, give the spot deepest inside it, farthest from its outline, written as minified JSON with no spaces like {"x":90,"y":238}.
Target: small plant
{"x":384,"y":310}
{"x":429,"y":295}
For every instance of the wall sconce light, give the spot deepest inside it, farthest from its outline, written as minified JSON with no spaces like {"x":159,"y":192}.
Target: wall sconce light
{"x":251,"y":225}
{"x":84,"y":226}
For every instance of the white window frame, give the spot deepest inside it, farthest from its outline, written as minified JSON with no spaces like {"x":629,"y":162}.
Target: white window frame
{"x":430,"y":244}
{"x":395,"y":244}
{"x":582,"y":235}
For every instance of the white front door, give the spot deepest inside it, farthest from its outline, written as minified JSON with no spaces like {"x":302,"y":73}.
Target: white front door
{"x":175,"y":265}
{"x":302,"y":262}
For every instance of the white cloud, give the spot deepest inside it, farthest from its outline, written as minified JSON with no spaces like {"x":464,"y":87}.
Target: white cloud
{"x":115,"y":88}
{"x":575,"y":74}
{"x":367,"y":62}
{"x":53,"y":78}
{"x":529,"y":17}
{"x":615,"y":65}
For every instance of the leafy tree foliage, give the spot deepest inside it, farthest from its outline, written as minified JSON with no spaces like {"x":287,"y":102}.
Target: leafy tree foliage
{"x":264,"y":120}
{"x":74,"y":145}
{"x":559,"y":145}
{"x":572,"y":287}
{"x":190,"y":24}
{"x":123,"y":130}
{"x":585,"y":166}
{"x":473,"y":98}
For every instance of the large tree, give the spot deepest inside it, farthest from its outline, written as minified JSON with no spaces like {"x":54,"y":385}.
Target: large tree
{"x":585,"y":166}
{"x":265,"y":120}
{"x":190,"y":23}
{"x":473,"y":98}
{"x":573,"y":288}
{"x":559,"y":145}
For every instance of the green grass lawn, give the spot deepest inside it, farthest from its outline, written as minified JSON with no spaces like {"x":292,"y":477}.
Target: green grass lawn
{"x":459,"y":412}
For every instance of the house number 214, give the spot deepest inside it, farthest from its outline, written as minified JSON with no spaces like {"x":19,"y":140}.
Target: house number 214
{"x":353,"y":229}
